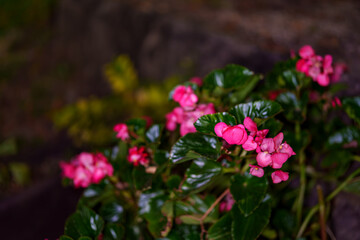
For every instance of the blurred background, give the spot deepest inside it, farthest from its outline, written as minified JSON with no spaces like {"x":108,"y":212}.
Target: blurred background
{"x":70,"y":70}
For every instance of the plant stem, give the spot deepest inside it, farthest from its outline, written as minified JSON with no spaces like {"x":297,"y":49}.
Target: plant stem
{"x":314,"y":209}
{"x":302,"y":186}
{"x":321,"y":212}
{"x":214,"y":204}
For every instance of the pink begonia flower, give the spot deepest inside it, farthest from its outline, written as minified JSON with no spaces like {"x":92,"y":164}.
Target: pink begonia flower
{"x":138,"y":156}
{"x":256,"y":171}
{"x":274,"y":153}
{"x":197,"y":80}
{"x":279,"y":176}
{"x":122,"y":131}
{"x":227,"y":203}
{"x":185,"y":96}
{"x":250,"y":144}
{"x":87,"y":168}
{"x":173,"y":118}
{"x":232,"y":134}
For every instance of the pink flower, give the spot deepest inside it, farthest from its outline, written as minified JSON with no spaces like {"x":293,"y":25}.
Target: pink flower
{"x":256,"y":136}
{"x":227,"y":203}
{"x":256,"y":171}
{"x":87,"y":168}
{"x":336,"y":102}
{"x":314,"y":66}
{"x":232,"y":134}
{"x":279,"y":176}
{"x":173,"y":118}
{"x":197,"y":80}
{"x":185,"y":96}
{"x":339,"y":69}
{"x":122,"y":131}
{"x":138,"y":156}
{"x":274,"y":153}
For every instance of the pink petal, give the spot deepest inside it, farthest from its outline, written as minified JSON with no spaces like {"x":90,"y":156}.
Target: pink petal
{"x":197,"y":80}
{"x":278,"y":140}
{"x":250,"y":144}
{"x":279,"y":176}
{"x":235,"y":134}
{"x":250,"y":124}
{"x":267,"y":145}
{"x":278,"y":159}
{"x":323,"y":80}
{"x":178,"y":93}
{"x":306,"y":52}
{"x":263,"y":159}
{"x":302,"y":65}
{"x":219,"y":128}
{"x":285,"y":148}
{"x":256,"y":171}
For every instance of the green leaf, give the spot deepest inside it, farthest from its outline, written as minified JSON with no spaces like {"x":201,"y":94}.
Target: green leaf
{"x":180,"y":232}
{"x":243,"y":91}
{"x":353,"y":187}
{"x":161,"y":157}
{"x":84,"y":222}
{"x":138,"y":125}
{"x":250,"y":227}
{"x":258,"y":110}
{"x":64,"y":237}
{"x":352,"y":108}
{"x":206,"y":123}
{"x":8,"y":147}
{"x":85,"y":238}
{"x":141,"y":178}
{"x":173,"y":182}
{"x":273,"y":125}
{"x":221,"y":230}
{"x":112,"y":212}
{"x":200,"y":174}
{"x":113,"y":231}
{"x":154,"y":133}
{"x":284,"y":221}
{"x":295,"y":109}
{"x":248,"y":191}
{"x":229,"y":77}
{"x":344,"y":136}
{"x":194,"y":145}
{"x":338,"y":161}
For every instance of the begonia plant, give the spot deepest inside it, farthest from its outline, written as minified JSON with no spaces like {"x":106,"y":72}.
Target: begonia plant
{"x":235,"y":159}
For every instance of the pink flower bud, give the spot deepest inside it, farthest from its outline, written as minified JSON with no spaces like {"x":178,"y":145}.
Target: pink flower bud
{"x":279,"y":176}
{"x":256,"y":171}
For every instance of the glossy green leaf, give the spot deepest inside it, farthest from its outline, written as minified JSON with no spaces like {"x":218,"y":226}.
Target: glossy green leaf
{"x":194,"y":145}
{"x":173,"y":182}
{"x":241,"y":92}
{"x":84,"y":222}
{"x":142,"y":179}
{"x":344,"y":136}
{"x":294,"y":108}
{"x":161,"y":157}
{"x":206,"y":123}
{"x":230,"y":76}
{"x":113,"y":231}
{"x":221,"y":230}
{"x":112,"y":211}
{"x":337,"y":161}
{"x":154,"y":133}
{"x":273,"y":125}
{"x":352,"y":108}
{"x":258,"y":110}
{"x":250,"y":227}
{"x":284,"y":221}
{"x":200,"y":173}
{"x":248,"y":191}
{"x":181,"y":232}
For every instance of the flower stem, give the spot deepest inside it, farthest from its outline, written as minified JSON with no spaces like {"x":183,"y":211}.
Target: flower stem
{"x":314,"y":209}
{"x":300,"y":200}
{"x":321,"y":212}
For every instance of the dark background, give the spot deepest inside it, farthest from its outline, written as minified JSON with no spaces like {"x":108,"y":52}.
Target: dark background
{"x":52,"y":53}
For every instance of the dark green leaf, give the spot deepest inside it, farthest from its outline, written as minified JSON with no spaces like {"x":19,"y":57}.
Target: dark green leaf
{"x":248,"y":191}
{"x":243,"y":91}
{"x":337,"y":161}
{"x":181,"y":232}
{"x":353,"y":187}
{"x":112,"y":212}
{"x":194,"y":145}
{"x":295,"y":109}
{"x":206,"y":123}
{"x":352,"y":108}
{"x":154,"y":132}
{"x":84,"y":222}
{"x":257,"y":111}
{"x":284,"y":222}
{"x":113,"y":231}
{"x":161,"y":157}
{"x":141,"y":178}
{"x":221,"y":230}
{"x":173,"y":182}
{"x":229,"y":77}
{"x":250,"y":228}
{"x":273,"y":125}
{"x":84,"y":238}
{"x":344,"y":136}
{"x":200,"y":174}
{"x":63,"y":237}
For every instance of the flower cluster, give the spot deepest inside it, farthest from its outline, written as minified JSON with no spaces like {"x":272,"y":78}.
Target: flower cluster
{"x":87,"y":168}
{"x":227,"y":203}
{"x":122,"y":131}
{"x":318,"y":68}
{"x":271,"y":152}
{"x":188,"y":113}
{"x":138,"y":155}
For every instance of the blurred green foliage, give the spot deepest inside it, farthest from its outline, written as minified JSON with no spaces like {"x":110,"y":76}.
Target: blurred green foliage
{"x":89,"y":121}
